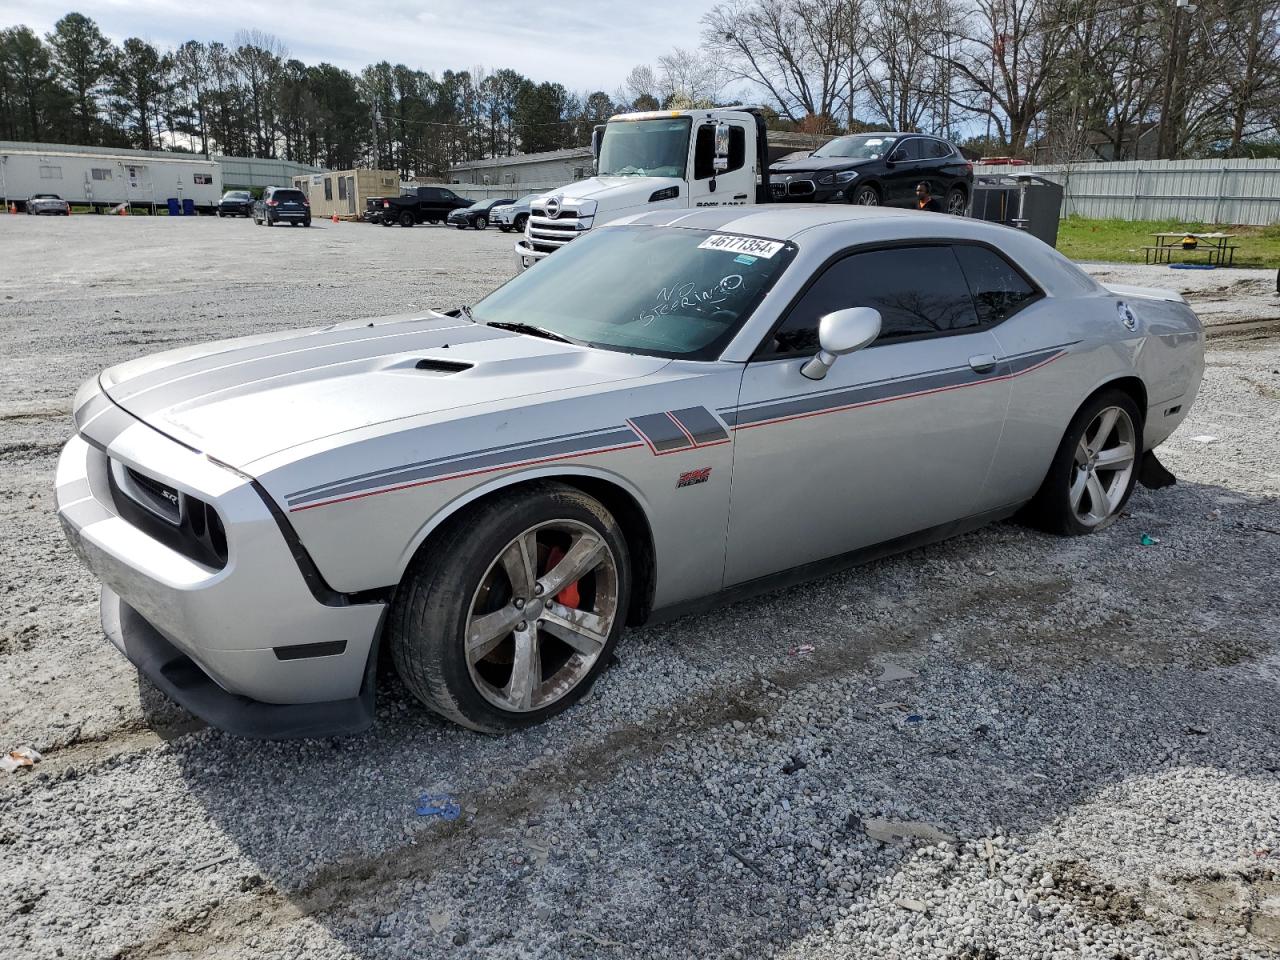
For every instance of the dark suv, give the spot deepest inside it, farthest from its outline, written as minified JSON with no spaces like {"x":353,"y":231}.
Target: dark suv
{"x":236,"y":203}
{"x":282,"y":205}
{"x":874,"y":169}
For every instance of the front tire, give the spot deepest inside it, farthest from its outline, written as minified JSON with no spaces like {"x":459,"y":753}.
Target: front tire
{"x":481,"y":223}
{"x":512,"y":613}
{"x":1093,"y":473}
{"x":867,"y":196}
{"x":521,"y":221}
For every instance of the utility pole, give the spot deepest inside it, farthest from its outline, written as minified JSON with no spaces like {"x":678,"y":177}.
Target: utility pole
{"x":374,"y":119}
{"x":1167,"y":141}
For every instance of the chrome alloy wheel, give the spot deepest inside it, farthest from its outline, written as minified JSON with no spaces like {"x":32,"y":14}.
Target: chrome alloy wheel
{"x":1104,"y":461}
{"x":541,"y":615}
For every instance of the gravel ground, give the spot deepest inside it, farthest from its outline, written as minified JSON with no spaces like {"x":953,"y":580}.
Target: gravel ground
{"x":1004,"y":746}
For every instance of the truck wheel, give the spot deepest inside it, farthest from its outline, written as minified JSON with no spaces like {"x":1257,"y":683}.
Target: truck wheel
{"x":482,"y":223}
{"x":512,"y":613}
{"x":521,"y":220}
{"x":406,"y":219}
{"x":867,"y":196}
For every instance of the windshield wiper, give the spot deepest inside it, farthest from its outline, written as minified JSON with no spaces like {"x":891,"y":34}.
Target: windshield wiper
{"x":466,"y":312}
{"x":528,"y":328}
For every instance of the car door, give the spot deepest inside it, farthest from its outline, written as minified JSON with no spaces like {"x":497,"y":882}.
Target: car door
{"x":897,"y":439}
{"x":903,"y":173}
{"x":735,"y":185}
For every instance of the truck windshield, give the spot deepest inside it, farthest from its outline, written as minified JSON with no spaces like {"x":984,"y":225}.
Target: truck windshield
{"x":645,"y":148}
{"x":662,"y":291}
{"x":860,"y":147}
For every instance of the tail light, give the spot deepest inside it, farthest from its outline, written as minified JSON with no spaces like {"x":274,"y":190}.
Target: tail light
{"x":273,"y":203}
{"x":306,"y":202}
{"x":969,"y":166}
{"x":386,"y":204}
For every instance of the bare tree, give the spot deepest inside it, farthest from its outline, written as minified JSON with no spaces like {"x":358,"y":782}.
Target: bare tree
{"x":686,"y":78}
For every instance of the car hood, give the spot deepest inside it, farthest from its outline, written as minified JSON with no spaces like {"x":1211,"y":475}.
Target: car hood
{"x":241,"y":400}
{"x":619,"y":196}
{"x":816,"y":164}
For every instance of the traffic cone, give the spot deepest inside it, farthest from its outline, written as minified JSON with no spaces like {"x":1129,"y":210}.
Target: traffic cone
{"x":335,"y":218}
{"x":13,"y":207}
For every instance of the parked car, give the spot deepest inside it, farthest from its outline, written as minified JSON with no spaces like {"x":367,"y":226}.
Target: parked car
{"x":476,"y":215}
{"x":876,"y":169}
{"x":282,"y":205}
{"x":48,"y":204}
{"x":425,"y":205}
{"x":236,"y":203}
{"x":514,"y":215}
{"x":492,"y":493}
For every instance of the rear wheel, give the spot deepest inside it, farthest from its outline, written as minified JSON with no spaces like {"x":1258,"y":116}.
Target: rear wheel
{"x":1094,"y":470}
{"x":511,"y":615}
{"x":957,"y":202}
{"x":866,"y":196}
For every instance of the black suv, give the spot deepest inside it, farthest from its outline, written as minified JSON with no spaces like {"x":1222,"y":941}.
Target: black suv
{"x":476,"y":215}
{"x":236,"y":203}
{"x":874,"y":169}
{"x":282,"y":205}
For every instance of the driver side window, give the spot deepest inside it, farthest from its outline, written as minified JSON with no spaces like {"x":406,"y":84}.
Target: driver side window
{"x":704,"y":152}
{"x":919,"y":291}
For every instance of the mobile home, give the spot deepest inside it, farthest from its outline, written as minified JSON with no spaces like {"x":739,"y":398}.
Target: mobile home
{"x":100,"y":178}
{"x":344,"y":192}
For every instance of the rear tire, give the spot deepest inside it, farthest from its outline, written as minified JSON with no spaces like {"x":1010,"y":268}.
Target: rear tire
{"x":480,"y":581}
{"x":1094,"y":470}
{"x":957,"y":202}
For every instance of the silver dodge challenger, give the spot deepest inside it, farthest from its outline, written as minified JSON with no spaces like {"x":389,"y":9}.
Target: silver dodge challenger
{"x":681,"y":407}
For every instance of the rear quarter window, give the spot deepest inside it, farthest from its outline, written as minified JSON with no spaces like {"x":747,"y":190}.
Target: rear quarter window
{"x":999,"y":289}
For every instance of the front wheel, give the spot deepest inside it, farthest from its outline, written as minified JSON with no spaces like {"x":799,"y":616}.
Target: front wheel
{"x":957,"y":202}
{"x":512,"y":613}
{"x":1094,"y":470}
{"x":521,"y":220}
{"x":482,"y":223}
{"x":865,"y":197}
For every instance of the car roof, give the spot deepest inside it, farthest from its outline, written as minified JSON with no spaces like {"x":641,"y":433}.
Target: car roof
{"x":782,"y":221}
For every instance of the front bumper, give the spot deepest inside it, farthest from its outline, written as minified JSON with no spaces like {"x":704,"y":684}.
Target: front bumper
{"x":254,"y":629}
{"x":527,"y":256}
{"x":802,"y":189}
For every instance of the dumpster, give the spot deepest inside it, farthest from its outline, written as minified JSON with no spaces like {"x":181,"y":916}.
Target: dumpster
{"x":188,"y":207}
{"x":1022,"y":200}
{"x":175,"y":209}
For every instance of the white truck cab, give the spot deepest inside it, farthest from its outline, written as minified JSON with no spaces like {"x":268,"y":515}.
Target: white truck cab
{"x":645,"y":161}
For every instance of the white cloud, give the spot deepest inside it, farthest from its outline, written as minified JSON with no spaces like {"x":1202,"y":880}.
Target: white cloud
{"x":584,"y":44}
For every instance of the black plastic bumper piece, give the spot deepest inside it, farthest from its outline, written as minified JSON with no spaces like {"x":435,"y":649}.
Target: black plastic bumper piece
{"x":182,"y":680}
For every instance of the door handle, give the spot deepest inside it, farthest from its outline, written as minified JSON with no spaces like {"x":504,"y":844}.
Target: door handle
{"x":739,"y":196}
{"x":982,"y":363}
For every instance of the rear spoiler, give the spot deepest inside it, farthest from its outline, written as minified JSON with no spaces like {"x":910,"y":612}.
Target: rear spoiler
{"x":1144,"y":293}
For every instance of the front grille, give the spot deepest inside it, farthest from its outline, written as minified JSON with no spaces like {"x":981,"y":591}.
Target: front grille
{"x":180,"y":521}
{"x":800,"y":188}
{"x":547,"y":235}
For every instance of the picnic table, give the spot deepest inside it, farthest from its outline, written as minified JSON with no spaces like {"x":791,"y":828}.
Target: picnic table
{"x":1218,"y":246}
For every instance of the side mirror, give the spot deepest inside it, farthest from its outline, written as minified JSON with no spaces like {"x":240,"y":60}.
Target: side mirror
{"x":841,"y":332}
{"x":721,"y":162}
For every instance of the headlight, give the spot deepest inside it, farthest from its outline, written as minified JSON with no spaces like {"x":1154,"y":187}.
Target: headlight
{"x":844,"y":176}
{"x":586,"y":208}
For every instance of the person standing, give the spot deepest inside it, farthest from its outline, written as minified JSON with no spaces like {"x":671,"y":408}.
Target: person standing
{"x":925,"y":200}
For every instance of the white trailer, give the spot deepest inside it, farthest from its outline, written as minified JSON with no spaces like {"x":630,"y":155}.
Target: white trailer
{"x":103,"y":180}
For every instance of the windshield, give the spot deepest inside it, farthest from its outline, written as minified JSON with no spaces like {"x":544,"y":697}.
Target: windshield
{"x":860,"y":147}
{"x":645,"y":148}
{"x":235,"y":195}
{"x":654,"y":290}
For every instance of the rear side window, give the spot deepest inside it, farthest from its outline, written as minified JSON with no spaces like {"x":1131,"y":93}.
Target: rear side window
{"x":999,"y":291}
{"x":936,"y":150}
{"x":918,"y":291}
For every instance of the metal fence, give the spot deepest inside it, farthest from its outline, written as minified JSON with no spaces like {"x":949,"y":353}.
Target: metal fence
{"x":1194,"y":191}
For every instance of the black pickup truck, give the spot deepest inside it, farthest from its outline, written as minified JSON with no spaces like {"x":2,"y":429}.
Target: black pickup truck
{"x":426,"y":205}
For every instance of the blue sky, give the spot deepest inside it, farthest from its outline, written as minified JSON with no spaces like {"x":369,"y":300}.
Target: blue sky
{"x":584,"y":44}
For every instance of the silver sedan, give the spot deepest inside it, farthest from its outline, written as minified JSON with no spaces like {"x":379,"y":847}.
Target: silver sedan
{"x":675,"y":409}
{"x":48,"y":204}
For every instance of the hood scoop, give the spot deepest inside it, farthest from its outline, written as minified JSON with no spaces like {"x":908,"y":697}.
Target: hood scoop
{"x":441,"y":367}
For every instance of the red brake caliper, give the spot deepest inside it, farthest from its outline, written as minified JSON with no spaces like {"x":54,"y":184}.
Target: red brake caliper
{"x":569,"y":595}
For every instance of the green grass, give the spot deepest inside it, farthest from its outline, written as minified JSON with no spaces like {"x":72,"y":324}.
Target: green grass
{"x":1121,"y":241}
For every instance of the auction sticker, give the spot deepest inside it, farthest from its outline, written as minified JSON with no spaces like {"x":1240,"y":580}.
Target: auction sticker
{"x":749,"y":245}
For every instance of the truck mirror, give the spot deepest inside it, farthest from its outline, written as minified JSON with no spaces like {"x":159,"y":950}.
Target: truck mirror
{"x":721,"y":162}
{"x":597,"y":133}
